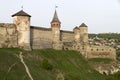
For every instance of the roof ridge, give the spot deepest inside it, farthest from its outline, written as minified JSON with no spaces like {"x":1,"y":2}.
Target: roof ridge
{"x":83,"y":25}
{"x":21,"y":13}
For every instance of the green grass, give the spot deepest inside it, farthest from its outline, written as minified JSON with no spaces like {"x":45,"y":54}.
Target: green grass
{"x":8,"y":57}
{"x":70,"y":63}
{"x":100,"y":60}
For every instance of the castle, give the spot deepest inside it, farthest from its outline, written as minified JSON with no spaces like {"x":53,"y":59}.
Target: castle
{"x":21,"y":34}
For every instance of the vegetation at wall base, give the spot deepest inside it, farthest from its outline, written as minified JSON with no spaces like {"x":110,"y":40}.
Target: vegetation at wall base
{"x":48,"y":64}
{"x":100,"y":60}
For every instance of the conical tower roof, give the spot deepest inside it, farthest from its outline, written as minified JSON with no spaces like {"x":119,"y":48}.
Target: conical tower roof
{"x":83,"y":25}
{"x":21,"y":13}
{"x":76,"y":28}
{"x":55,"y":18}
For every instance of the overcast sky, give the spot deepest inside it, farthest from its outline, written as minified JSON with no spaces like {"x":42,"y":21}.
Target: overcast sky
{"x":101,"y":16}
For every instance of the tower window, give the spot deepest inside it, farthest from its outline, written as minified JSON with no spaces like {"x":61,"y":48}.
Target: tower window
{"x":53,"y":24}
{"x":97,"y":49}
{"x":102,"y":49}
{"x":91,"y":49}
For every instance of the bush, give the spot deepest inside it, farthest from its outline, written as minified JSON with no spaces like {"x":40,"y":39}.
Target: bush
{"x":46,"y":65}
{"x":118,"y":55}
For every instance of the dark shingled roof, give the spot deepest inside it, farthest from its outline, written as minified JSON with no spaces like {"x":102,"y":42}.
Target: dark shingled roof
{"x":21,"y":13}
{"x":83,"y":25}
{"x":55,"y":18}
{"x":76,"y":28}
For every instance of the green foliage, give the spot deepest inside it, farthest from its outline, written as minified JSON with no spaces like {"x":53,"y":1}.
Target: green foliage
{"x":107,"y":35}
{"x":115,"y":76}
{"x":46,"y":65}
{"x":118,"y":55}
{"x":72,"y":65}
{"x":71,"y":77}
{"x":10,"y":66}
{"x":103,"y":60}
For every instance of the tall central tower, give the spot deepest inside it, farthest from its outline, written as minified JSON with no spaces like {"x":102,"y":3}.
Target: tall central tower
{"x":55,"y":25}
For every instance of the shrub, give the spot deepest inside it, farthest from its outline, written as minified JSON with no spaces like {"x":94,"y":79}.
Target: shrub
{"x":46,"y":65}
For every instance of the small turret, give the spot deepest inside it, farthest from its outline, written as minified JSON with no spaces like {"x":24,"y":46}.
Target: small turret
{"x":76,"y":28}
{"x":77,"y":34}
{"x":83,"y":33}
{"x":22,"y":21}
{"x":83,"y":39}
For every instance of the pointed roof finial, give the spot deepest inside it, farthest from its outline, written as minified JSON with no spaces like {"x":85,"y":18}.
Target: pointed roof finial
{"x":22,"y":7}
{"x":56,"y":7}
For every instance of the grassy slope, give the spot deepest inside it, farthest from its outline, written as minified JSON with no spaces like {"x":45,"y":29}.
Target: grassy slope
{"x":70,"y":63}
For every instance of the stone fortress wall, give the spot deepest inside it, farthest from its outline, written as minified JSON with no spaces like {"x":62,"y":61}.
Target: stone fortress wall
{"x":44,"y":41}
{"x":67,"y":36}
{"x":8,"y":35}
{"x":21,"y":34}
{"x":101,"y":52}
{"x":41,"y":38}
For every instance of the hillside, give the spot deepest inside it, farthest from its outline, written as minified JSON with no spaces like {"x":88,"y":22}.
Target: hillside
{"x":47,"y":65}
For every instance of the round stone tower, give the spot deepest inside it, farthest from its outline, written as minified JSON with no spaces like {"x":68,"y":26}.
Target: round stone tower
{"x":22,"y":21}
{"x":83,"y":39}
{"x":55,"y":25}
{"x":83,"y":33}
{"x":77,"y":34}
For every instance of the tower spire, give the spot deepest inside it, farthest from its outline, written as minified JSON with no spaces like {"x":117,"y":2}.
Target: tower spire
{"x":22,"y":7}
{"x":55,"y":17}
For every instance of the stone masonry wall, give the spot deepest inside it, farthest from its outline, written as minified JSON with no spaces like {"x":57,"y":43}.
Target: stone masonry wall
{"x":8,"y":35}
{"x":101,"y":52}
{"x":67,"y":36}
{"x":41,"y":38}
